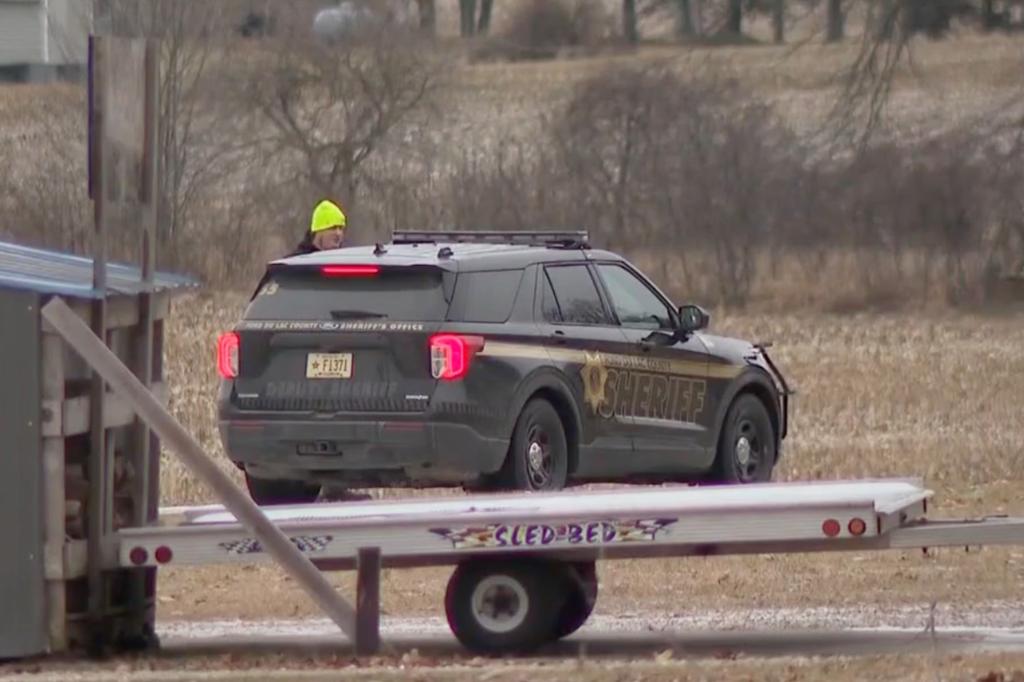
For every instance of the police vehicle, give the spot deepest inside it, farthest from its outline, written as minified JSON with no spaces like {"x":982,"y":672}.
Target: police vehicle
{"x":515,"y":361}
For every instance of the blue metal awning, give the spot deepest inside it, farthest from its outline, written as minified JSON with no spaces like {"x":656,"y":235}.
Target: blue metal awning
{"x":64,"y":274}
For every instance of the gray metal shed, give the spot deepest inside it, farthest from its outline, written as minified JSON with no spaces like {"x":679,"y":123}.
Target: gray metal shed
{"x":45,"y":436}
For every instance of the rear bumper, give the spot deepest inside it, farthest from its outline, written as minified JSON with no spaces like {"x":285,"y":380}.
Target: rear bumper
{"x":361,"y":451}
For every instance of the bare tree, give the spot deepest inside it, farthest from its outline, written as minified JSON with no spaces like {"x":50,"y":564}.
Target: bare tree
{"x":836,"y":21}
{"x":467,"y":18}
{"x":321,"y":112}
{"x":483,"y":25}
{"x":734,"y":21}
{"x":428,"y":15}
{"x":629,"y":21}
{"x":684,"y":21}
{"x":779,"y":21}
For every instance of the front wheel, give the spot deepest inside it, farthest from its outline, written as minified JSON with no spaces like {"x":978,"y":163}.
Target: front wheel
{"x":538,"y":458}
{"x":746,"y":446}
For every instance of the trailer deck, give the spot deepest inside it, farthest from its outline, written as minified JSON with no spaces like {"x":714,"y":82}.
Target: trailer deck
{"x":567,"y":525}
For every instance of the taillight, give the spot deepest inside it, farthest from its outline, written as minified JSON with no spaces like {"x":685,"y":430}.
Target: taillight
{"x":227,"y":355}
{"x":349,"y":270}
{"x":451,"y":354}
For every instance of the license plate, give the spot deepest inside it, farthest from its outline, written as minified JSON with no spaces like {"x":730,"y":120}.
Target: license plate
{"x":329,"y":366}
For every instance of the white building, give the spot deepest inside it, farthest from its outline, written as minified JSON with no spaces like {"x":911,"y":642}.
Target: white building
{"x":41,"y":37}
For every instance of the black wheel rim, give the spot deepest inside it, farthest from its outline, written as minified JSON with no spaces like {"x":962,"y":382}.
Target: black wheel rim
{"x":539,"y":464}
{"x":748,"y":451}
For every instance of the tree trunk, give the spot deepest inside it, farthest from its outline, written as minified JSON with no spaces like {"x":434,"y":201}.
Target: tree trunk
{"x":835,"y":21}
{"x":629,"y":27}
{"x":684,"y":26}
{"x":988,"y":15}
{"x":884,"y":20}
{"x":428,"y":16}
{"x":486,"y":7}
{"x":735,"y":22}
{"x":467,"y":17}
{"x":779,"y":21}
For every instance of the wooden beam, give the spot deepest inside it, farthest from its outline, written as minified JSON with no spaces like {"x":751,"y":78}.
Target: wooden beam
{"x":54,"y":499}
{"x":277,"y":544}
{"x":71,"y":417}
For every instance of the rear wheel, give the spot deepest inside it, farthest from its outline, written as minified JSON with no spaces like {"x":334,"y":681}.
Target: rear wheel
{"x":538,"y":458}
{"x":746,"y":448}
{"x":504,"y":607}
{"x":269,"y":492}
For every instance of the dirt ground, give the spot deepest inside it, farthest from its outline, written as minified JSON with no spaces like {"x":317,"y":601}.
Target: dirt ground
{"x":661,"y":667}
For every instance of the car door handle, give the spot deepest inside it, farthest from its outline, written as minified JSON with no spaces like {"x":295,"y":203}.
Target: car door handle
{"x":559,"y":337}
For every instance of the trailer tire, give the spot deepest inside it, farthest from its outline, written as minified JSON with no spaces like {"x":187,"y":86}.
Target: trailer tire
{"x":581,"y":597}
{"x":267,"y":492}
{"x":503,"y":607}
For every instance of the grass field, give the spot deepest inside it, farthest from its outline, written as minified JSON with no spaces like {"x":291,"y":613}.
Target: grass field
{"x":934,"y":395}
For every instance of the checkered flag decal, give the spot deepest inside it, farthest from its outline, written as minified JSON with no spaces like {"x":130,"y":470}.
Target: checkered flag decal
{"x":307,"y":544}
{"x":645,"y":530}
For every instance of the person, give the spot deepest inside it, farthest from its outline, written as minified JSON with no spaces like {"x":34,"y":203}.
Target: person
{"x":326,"y":230}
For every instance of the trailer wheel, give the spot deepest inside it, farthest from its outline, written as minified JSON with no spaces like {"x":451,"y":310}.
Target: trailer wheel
{"x":581,"y":596}
{"x":504,"y":607}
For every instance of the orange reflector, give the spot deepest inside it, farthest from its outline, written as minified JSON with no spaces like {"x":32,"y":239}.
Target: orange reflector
{"x":831,"y":528}
{"x":163,"y":555}
{"x":857,"y":527}
{"x":138,"y":556}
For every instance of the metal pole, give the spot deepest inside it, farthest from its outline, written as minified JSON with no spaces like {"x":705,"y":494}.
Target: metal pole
{"x":277,"y":544}
{"x":97,"y":464}
{"x":145,"y":450}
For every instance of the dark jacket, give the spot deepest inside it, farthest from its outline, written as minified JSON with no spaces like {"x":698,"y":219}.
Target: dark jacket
{"x":303,"y":247}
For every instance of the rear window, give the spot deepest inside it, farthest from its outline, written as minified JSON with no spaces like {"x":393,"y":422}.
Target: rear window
{"x":485,"y":296}
{"x":413,"y":296}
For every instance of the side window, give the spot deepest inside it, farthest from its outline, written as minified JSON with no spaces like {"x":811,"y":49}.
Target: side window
{"x":577,"y":295}
{"x":548,"y":302}
{"x":485,"y":296}
{"x":633,"y":301}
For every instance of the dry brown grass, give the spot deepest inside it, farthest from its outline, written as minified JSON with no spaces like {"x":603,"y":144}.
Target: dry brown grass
{"x":920,"y":394}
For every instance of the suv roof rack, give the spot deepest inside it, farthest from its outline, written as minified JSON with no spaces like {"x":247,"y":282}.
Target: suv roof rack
{"x":565,"y":240}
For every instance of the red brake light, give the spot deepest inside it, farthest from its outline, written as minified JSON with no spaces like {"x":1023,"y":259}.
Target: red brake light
{"x":450,"y":355}
{"x":349,"y":270}
{"x":227,"y":355}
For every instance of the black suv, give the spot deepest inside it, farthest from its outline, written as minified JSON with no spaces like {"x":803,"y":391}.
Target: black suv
{"x":488,"y":361}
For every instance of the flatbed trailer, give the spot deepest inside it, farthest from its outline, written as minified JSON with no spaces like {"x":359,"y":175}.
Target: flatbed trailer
{"x":525,"y":563}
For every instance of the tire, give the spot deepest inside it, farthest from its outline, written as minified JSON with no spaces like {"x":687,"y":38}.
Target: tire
{"x":581,"y":597}
{"x":268,"y":492}
{"x":746,"y":446}
{"x":538,"y":457}
{"x":526,"y":598}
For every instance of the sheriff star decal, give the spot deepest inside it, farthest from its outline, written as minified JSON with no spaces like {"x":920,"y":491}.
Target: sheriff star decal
{"x":595,"y":378}
{"x":541,"y":535}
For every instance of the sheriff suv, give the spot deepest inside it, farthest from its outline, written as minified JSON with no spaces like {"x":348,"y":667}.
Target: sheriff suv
{"x":488,"y":361}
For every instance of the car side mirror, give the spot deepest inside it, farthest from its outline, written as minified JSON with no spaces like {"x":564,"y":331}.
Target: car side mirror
{"x":693,"y":318}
